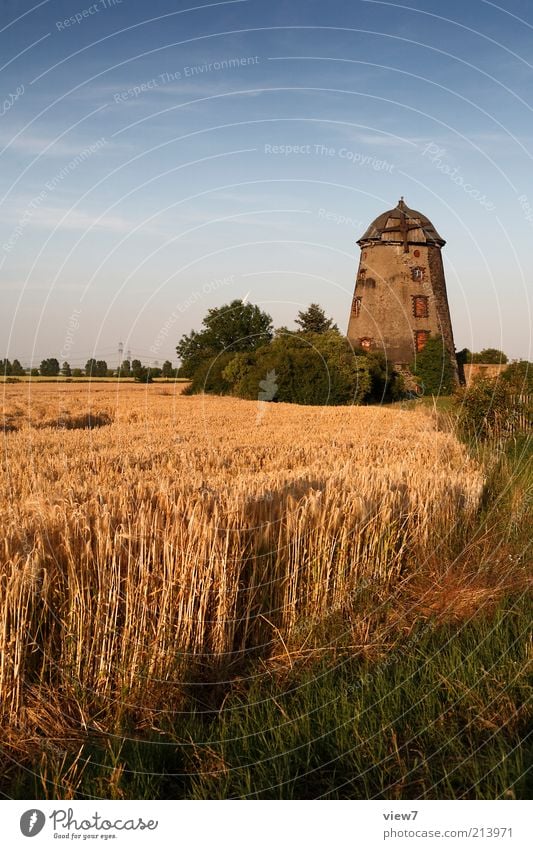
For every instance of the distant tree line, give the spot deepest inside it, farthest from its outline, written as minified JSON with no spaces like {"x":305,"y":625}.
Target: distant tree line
{"x":50,"y":367}
{"x":11,"y":369}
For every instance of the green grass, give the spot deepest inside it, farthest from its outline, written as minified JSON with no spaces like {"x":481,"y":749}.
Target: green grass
{"x":439,"y":717}
{"x":441,"y":403}
{"x":445,"y":715}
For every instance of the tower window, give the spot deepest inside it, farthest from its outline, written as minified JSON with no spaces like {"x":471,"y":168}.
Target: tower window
{"x":420,"y":306}
{"x":370,"y":282}
{"x":356,"y":307}
{"x":421,"y":337}
{"x":365,"y":343}
{"x":417,"y":273}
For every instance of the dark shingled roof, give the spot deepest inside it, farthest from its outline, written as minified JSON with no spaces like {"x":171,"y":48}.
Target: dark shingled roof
{"x":402,"y":225}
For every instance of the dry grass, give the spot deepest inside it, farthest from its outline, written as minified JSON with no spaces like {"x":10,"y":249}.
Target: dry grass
{"x":189,"y":531}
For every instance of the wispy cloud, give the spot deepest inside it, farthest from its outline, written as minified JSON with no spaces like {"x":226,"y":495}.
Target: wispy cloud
{"x":157,"y":89}
{"x":35,"y":144}
{"x":51,"y":217}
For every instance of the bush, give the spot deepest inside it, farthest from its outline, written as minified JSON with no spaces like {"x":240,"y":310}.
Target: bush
{"x":386,"y":384}
{"x":143,"y":375}
{"x":490,"y":408}
{"x":433,"y":367}
{"x":489,"y":356}
{"x":208,"y":375}
{"x":236,"y":353}
{"x":519,"y":377}
{"x":302,"y":368}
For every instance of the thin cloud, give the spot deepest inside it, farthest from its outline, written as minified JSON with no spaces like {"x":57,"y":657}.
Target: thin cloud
{"x":50,"y":217}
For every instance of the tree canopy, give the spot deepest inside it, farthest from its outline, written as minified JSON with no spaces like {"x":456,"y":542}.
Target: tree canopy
{"x":49,"y":367}
{"x":237,"y":326}
{"x":96,"y":368}
{"x":13,"y":368}
{"x":304,"y":367}
{"x":488,"y":356}
{"x":318,"y":369}
{"x":313,"y":320}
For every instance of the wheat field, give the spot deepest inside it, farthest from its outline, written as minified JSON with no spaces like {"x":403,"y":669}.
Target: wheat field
{"x":148,"y":536}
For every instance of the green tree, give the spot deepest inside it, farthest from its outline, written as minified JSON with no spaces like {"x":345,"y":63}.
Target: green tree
{"x":488,"y":356}
{"x":5,"y":367}
{"x":49,"y":367}
{"x":77,"y":372}
{"x":66,"y":371}
{"x":124,"y":369}
{"x":100,"y":369}
{"x":315,"y":368}
{"x":234,"y":327}
{"x":136,"y":368}
{"x":142,"y":374}
{"x":313,"y":320}
{"x":16,"y":369}
{"x":90,"y":367}
{"x":167,"y":370}
{"x":433,"y":367}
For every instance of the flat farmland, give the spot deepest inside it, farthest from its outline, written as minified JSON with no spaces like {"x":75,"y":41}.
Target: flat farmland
{"x":144,"y":529}
{"x":154,"y":542}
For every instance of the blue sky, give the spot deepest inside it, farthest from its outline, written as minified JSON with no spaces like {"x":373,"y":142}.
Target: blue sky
{"x":162,"y":159}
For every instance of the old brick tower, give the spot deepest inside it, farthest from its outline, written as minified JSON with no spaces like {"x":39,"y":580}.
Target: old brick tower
{"x":400,"y":291}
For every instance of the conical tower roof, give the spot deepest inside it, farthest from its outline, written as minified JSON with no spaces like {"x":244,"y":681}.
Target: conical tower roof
{"x":403,"y":226}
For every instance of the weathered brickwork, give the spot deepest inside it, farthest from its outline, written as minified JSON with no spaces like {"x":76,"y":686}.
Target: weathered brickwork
{"x":400,"y":289}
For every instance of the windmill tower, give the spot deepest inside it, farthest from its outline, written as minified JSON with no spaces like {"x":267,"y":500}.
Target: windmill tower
{"x":400,"y":295}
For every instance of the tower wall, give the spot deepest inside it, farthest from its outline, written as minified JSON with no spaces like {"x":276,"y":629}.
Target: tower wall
{"x":384,"y":314}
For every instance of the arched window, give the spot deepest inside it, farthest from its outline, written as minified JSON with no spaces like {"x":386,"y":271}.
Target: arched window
{"x":421,"y":337}
{"x":420,"y":306}
{"x":356,"y":307}
{"x":418,"y":273}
